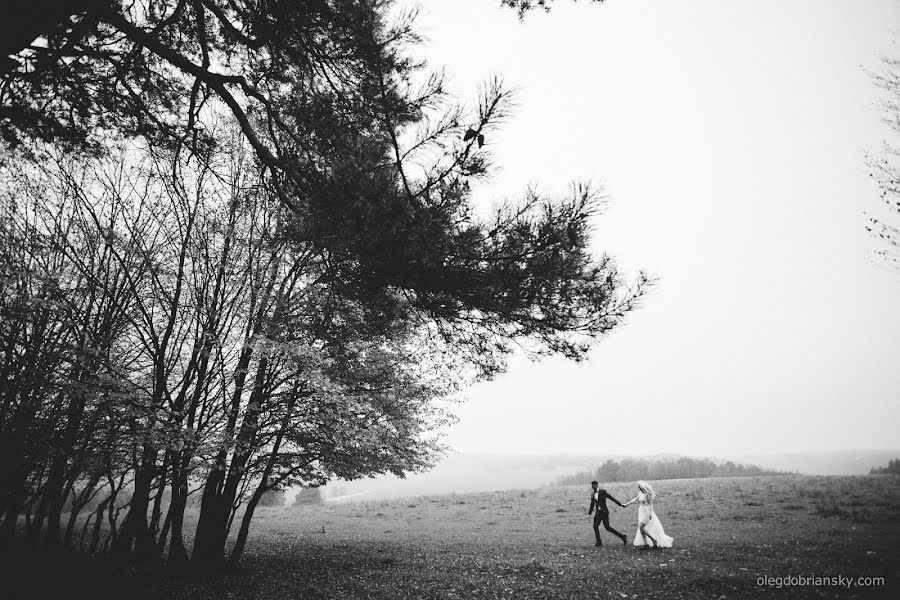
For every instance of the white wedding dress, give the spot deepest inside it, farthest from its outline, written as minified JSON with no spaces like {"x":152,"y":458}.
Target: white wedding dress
{"x":651,"y":523}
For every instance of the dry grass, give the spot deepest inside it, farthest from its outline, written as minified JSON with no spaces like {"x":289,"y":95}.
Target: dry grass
{"x":530,"y":544}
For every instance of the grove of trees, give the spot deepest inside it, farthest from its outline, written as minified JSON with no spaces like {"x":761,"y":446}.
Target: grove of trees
{"x":308,"y":496}
{"x":239,"y":251}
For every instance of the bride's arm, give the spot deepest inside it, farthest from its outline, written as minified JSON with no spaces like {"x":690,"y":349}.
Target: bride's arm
{"x":630,"y":501}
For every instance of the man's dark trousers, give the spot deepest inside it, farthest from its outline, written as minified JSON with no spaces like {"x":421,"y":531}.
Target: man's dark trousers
{"x":602,"y":516}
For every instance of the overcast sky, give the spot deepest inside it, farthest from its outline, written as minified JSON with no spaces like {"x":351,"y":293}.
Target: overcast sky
{"x":730,"y":136}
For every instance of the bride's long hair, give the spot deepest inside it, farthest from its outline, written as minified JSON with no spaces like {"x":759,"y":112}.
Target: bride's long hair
{"x":647,"y":489}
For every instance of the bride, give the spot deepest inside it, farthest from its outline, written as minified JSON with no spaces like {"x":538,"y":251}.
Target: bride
{"x":649,"y":527}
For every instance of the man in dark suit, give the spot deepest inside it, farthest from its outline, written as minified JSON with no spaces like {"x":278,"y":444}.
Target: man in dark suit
{"x":598,"y":502}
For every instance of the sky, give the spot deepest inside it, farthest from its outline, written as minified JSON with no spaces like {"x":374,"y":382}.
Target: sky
{"x":730,"y":138}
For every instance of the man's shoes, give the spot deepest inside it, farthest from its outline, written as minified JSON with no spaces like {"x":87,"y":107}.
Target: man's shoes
{"x":600,"y":544}
{"x":624,"y":540}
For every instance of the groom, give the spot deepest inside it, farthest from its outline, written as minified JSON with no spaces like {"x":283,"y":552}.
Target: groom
{"x":598,"y":501}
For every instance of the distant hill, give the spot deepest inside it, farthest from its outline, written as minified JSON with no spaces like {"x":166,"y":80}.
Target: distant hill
{"x":465,"y":473}
{"x":840,"y":462}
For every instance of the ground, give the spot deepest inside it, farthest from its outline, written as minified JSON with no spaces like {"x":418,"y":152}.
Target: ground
{"x":535,"y":544}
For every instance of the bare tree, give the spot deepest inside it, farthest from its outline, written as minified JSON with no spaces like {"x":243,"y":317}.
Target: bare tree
{"x":884,"y":166}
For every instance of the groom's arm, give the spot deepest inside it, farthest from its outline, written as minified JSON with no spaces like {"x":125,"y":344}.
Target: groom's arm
{"x":614,"y":500}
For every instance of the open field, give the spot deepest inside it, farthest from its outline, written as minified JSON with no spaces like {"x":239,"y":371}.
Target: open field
{"x":531,"y":544}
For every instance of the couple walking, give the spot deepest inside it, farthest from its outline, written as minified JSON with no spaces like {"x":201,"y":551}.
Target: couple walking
{"x":650,"y":531}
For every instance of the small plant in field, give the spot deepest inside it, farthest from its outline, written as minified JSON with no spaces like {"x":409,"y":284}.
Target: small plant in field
{"x":533,"y":570}
{"x":862,"y":515}
{"x":829,"y":509}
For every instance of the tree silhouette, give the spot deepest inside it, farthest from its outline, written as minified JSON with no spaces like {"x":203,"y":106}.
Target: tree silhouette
{"x":884,"y":167}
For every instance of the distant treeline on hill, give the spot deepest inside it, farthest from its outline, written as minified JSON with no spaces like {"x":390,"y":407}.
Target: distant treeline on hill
{"x":893,"y":468}
{"x":633,"y":469}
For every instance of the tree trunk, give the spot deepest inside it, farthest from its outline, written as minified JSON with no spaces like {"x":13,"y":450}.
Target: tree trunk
{"x":34,"y":531}
{"x":95,"y":535}
{"x":56,"y":478}
{"x":14,"y":503}
{"x":84,"y":530}
{"x":111,"y":517}
{"x":16,"y":471}
{"x":157,"y":504}
{"x":209,"y":541}
{"x":236,"y":552}
{"x":134,"y":529}
{"x":178,"y":555}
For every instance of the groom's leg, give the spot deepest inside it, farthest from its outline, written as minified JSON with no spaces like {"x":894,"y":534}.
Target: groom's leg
{"x":610,"y":529}
{"x":597,"y":520}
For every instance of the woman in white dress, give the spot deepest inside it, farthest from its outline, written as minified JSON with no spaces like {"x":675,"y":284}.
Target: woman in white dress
{"x":649,"y":527}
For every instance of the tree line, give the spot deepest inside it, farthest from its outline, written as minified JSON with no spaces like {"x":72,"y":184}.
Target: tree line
{"x":634,"y":469}
{"x":240,"y":251}
{"x":892,"y":468}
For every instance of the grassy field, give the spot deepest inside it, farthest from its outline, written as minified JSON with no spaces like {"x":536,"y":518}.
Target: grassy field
{"x":534,"y":544}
